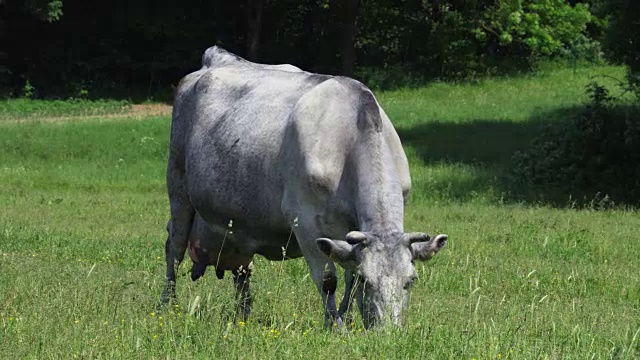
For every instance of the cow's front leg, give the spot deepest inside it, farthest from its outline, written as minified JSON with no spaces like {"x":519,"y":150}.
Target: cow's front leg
{"x":323,"y":271}
{"x":347,"y":301}
{"x":241,"y":279}
{"x":329,"y":285}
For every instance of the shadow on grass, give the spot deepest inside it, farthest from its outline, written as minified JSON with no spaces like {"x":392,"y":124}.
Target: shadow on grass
{"x":480,"y":154}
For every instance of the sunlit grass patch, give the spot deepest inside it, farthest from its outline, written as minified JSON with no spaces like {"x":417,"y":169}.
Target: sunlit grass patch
{"x":27,"y":108}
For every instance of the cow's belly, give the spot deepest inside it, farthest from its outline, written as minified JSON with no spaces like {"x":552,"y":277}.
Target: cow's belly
{"x":231,"y":246}
{"x":231,"y":188}
{"x":248,"y":206}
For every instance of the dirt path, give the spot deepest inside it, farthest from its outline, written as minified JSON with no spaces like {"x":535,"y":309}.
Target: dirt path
{"x":136,"y":111}
{"x":151,"y":109}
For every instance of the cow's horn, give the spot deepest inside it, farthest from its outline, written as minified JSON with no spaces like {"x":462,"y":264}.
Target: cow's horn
{"x":355,"y":237}
{"x":417,"y":237}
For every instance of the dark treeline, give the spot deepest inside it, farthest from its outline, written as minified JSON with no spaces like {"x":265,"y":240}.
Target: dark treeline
{"x":63,"y":48}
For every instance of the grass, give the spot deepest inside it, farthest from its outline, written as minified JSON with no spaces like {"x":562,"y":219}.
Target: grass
{"x":505,"y":99}
{"x":33,"y":109}
{"x":82,"y":235}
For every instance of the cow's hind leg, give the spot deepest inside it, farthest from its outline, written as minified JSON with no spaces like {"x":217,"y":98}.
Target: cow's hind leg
{"x":175,"y":247}
{"x":178,"y":229}
{"x":241,"y":279}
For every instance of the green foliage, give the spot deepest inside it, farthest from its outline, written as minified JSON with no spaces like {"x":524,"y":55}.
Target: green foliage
{"x":583,"y":49}
{"x":595,"y":153}
{"x":456,"y":39}
{"x":446,"y":39}
{"x":28,"y":91}
{"x":45,"y":10}
{"x":537,"y":27}
{"x":54,"y":10}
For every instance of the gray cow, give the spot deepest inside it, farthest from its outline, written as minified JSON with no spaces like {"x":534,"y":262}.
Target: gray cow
{"x":279,"y":150}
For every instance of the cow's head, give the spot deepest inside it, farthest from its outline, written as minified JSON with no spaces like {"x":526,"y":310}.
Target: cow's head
{"x":384,"y":268}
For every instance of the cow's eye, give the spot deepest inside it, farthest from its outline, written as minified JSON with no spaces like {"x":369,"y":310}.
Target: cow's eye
{"x":410,"y":282}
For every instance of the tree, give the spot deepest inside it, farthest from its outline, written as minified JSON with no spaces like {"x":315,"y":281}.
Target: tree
{"x":349,"y":14}
{"x":254,"y":28}
{"x":623,"y":38}
{"x":127,"y":44}
{"x":14,"y":11}
{"x":45,"y":10}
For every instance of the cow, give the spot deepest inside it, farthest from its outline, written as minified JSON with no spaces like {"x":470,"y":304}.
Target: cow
{"x":276,"y":161}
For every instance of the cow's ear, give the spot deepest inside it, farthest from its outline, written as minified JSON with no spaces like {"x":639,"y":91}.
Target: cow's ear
{"x":425,"y":250}
{"x":337,"y":250}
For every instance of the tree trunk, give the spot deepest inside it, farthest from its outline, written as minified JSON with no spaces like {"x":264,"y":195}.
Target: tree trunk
{"x":435,"y":11}
{"x":349,"y":16}
{"x":254,"y":27}
{"x":311,"y":32}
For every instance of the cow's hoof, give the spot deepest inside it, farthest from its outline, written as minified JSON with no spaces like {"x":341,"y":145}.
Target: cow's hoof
{"x":166,"y":302}
{"x":197,"y":271}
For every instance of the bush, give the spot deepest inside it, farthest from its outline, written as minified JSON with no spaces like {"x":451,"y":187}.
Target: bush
{"x":622,"y":39}
{"x":596,"y":153}
{"x":390,"y":77}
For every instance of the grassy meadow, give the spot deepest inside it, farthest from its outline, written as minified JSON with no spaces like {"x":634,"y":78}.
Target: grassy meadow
{"x":83,"y":210}
{"x":26,"y":109}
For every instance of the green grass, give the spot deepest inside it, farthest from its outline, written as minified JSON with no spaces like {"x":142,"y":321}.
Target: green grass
{"x":505,"y":99}
{"x":33,"y":109}
{"x":83,"y":211}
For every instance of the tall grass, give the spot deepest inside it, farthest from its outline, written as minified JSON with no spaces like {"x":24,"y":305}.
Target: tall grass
{"x":30,"y":109}
{"x":83,"y":211}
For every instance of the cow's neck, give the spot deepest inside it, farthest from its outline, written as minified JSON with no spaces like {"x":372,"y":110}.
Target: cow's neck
{"x":379,"y":200}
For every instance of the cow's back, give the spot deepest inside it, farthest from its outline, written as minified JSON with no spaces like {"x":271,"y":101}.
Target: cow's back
{"x":229,"y":126}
